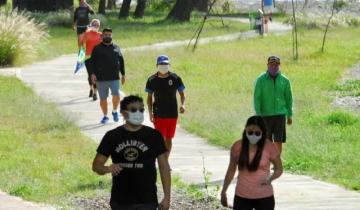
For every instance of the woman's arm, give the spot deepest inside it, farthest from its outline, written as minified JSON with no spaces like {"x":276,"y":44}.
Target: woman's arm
{"x":228,"y":178}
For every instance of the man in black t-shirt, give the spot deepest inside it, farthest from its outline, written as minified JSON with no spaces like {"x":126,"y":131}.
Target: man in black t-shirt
{"x":82,"y":18}
{"x":163,"y":110}
{"x":134,"y":148}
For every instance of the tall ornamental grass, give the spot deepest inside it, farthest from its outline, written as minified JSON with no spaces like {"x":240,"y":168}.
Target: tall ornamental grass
{"x":19,"y":38}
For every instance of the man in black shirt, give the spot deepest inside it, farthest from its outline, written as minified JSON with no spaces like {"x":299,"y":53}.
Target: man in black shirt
{"x":134,"y":149}
{"x":81,"y":18}
{"x":163,"y":110}
{"x":105,"y":65}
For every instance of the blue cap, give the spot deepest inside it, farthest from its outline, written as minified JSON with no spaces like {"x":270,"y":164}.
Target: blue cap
{"x":162,"y":59}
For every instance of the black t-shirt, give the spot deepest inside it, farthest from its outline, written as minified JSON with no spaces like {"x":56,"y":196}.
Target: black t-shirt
{"x":164,"y":90}
{"x":81,"y":16}
{"x":136,"y":152}
{"x":106,"y":62}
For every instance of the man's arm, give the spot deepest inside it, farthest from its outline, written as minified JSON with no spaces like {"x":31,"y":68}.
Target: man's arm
{"x":122,"y":68}
{"x":75,"y":19}
{"x":99,"y":167}
{"x":149,"y":102}
{"x":289,"y":103}
{"x":182,"y":101}
{"x":165,"y":180}
{"x":91,"y":10}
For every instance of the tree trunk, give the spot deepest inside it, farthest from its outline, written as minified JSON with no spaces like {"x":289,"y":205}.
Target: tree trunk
{"x":125,"y":8}
{"x":328,"y":25}
{"x":102,"y":4}
{"x":294,"y":34}
{"x":140,"y":9}
{"x":181,"y":10}
{"x":110,"y":4}
{"x":3,"y":2}
{"x":201,"y":5}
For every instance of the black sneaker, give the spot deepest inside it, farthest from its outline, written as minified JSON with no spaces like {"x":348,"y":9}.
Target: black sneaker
{"x":91,"y":93}
{"x":94,"y":97}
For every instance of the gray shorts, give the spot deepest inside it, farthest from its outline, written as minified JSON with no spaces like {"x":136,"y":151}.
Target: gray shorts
{"x":276,"y":128}
{"x":104,"y":86}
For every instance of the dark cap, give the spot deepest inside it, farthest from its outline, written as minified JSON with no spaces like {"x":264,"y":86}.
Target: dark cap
{"x":162,"y":59}
{"x":273,"y":59}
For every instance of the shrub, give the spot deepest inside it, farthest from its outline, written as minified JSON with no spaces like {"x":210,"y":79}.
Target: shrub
{"x":19,"y":35}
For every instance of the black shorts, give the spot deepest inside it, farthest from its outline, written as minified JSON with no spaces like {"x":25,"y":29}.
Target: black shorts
{"x":276,"y":128}
{"x":257,"y":204}
{"x":150,"y":206}
{"x":80,"y":29}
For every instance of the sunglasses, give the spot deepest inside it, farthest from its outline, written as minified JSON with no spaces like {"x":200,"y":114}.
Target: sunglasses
{"x":133,"y":110}
{"x":257,"y":133}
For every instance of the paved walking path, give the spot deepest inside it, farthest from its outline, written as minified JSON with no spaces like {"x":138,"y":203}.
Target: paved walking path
{"x":54,"y":80}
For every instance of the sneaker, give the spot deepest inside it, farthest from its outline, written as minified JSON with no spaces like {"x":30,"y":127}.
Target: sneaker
{"x":104,"y":120}
{"x":91,"y":93}
{"x":94,"y":97}
{"x":115,"y":116}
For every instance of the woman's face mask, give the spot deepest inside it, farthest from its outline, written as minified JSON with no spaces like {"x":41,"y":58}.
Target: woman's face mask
{"x":163,"y":68}
{"x":253,"y":136}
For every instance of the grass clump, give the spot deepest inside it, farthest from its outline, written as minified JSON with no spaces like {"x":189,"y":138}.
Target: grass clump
{"x":19,"y":35}
{"x":349,"y":88}
{"x":341,"y":119}
{"x":43,"y":155}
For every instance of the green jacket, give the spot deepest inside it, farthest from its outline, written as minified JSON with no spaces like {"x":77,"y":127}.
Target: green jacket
{"x":273,"y":97}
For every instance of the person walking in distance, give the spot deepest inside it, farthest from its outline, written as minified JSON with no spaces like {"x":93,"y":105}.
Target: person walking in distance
{"x":252,"y":156}
{"x":273,"y":101}
{"x":134,"y":149}
{"x":82,"y":18}
{"x":161,"y":100}
{"x":105,"y":65}
{"x":89,"y":40}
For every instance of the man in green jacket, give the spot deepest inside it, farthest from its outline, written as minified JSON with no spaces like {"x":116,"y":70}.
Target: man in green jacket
{"x":273,"y":101}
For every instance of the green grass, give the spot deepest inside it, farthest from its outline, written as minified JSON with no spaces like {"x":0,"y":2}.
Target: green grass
{"x":43,"y":155}
{"x":134,"y":32}
{"x":349,"y":88}
{"x":219,"y":79}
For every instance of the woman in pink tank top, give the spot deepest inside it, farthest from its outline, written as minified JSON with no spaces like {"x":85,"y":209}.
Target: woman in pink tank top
{"x":252,"y":157}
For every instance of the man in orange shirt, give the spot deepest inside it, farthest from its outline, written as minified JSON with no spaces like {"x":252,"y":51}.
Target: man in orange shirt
{"x":89,"y":40}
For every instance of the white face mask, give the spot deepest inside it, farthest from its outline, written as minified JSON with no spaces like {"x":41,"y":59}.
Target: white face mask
{"x":253,"y":139}
{"x":135,"y":118}
{"x":163,"y":68}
